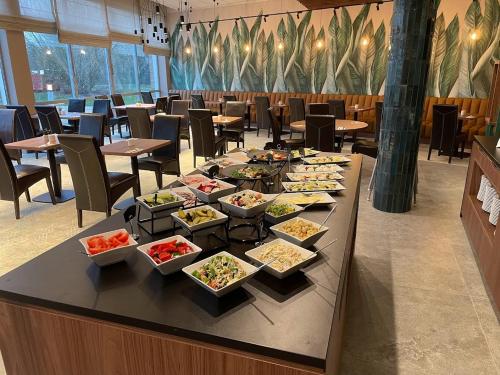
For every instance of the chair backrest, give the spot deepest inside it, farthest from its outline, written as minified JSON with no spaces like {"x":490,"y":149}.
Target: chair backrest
{"x":147,"y":97}
{"x":162,"y":104}
{"x":167,"y":127}
{"x":337,"y":108}
{"x":103,"y":106}
{"x":139,"y":122}
{"x":297,"y":109}
{"x":88,"y":171}
{"x":93,"y":124}
{"x":379,"y":108}
{"x":236,"y":109}
{"x":8,"y":131}
{"x":171,"y":98}
{"x":444,"y":127}
{"x":24,"y":125}
{"x":319,"y":109}
{"x":262,"y":104}
{"x":229,"y":98}
{"x":181,"y":107}
{"x":117,"y":100}
{"x":270,"y":121}
{"x":49,"y":118}
{"x":197,"y":101}
{"x":8,"y":182}
{"x":76,"y":105}
{"x":202,"y":129}
{"x":320,"y":132}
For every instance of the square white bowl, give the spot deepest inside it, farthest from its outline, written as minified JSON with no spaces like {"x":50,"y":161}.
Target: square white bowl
{"x":178,"y":203}
{"x":246,"y":212}
{"x":172,"y":265}
{"x":307,"y":256}
{"x":279,"y":219}
{"x":250,"y":270}
{"x":221,"y":218}
{"x":306,"y":242}
{"x":289,"y":186}
{"x":316,"y":160}
{"x":225,"y":189}
{"x":307,"y":168}
{"x":326,"y":198}
{"x":112,"y":256}
{"x":298,"y":177}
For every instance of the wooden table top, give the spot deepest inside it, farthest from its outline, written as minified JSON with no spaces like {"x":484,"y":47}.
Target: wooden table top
{"x":140,"y":146}
{"x":140,"y":105}
{"x":340,"y":125}
{"x":225,"y":120}
{"x":32,"y":144}
{"x":351,"y":109}
{"x":65,"y":116}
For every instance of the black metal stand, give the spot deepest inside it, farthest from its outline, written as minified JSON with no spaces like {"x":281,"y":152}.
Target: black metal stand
{"x":155,"y":215}
{"x":258,"y":225}
{"x":191,"y":233}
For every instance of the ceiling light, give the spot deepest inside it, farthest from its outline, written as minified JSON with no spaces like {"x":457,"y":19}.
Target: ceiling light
{"x":188,"y":50}
{"x":247,"y":48}
{"x":474,"y":35}
{"x":365,"y":41}
{"x":280,"y":46}
{"x":216,"y":49}
{"x":319,"y":44}
{"x":157,"y":9}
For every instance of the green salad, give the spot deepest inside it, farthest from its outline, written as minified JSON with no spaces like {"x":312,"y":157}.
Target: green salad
{"x":219,"y":272}
{"x":280,"y":209}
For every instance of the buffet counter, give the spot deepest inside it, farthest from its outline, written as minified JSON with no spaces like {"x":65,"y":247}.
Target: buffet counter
{"x":484,"y":237}
{"x":62,"y":314}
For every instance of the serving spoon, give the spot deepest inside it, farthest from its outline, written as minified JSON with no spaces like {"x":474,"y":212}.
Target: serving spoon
{"x":328,"y":216}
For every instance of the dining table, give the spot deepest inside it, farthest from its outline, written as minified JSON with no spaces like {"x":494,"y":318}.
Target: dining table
{"x":341,"y":125}
{"x":40,"y":144}
{"x":136,"y":105}
{"x":223,"y":121}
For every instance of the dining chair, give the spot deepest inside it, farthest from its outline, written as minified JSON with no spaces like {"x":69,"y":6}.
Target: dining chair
{"x":103,"y":106}
{"x":96,"y":189}
{"x":17,"y":180}
{"x":197,"y":101}
{"x":229,"y":98}
{"x":162,"y":104}
{"x":262,"y":104}
{"x":273,"y":123}
{"x":139,"y":122}
{"x":25,"y":129}
{"x":50,"y":120}
{"x":445,"y":136}
{"x":337,"y":108}
{"x":78,"y":106}
{"x":171,"y":98}
{"x":117,"y":100}
{"x":319,"y":109}
{"x":8,"y":132}
{"x":166,"y":159}
{"x":366,"y":146}
{"x":147,"y":97}
{"x":320,"y":133}
{"x":205,"y":142}
{"x":297,"y":113}
{"x":181,"y":107}
{"x":235,"y":132}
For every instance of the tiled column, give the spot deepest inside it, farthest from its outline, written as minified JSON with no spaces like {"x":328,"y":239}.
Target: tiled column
{"x":411,"y":35}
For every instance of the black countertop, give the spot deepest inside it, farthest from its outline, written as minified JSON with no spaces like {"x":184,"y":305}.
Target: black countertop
{"x":287,"y":319}
{"x":489,"y":144}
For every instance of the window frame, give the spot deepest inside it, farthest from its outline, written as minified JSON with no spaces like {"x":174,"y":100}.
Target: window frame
{"x":4,"y":89}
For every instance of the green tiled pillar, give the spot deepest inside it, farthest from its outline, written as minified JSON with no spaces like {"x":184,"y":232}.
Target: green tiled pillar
{"x":411,"y":44}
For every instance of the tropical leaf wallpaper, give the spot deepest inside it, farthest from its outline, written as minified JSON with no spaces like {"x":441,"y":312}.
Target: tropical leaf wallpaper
{"x":346,"y":54}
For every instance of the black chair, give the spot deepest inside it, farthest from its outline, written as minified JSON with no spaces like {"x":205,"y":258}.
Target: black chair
{"x":320,"y":133}
{"x":103,"y":107}
{"x":365,"y":146}
{"x":96,"y":189}
{"x":147,"y":97}
{"x":25,"y":129}
{"x":120,"y":117}
{"x":8,"y":132}
{"x":229,"y":98}
{"x":262,"y":104}
{"x":235,"y":132}
{"x":273,"y":123}
{"x":319,"y":109}
{"x":50,"y":120}
{"x":139,"y":122}
{"x":297,"y":113}
{"x":162,"y":104}
{"x":337,"y":108}
{"x":166,"y":159}
{"x":197,"y":101}
{"x":205,"y":142}
{"x":171,"y":98}
{"x":445,"y":136}
{"x":78,"y":106}
{"x":181,"y":107}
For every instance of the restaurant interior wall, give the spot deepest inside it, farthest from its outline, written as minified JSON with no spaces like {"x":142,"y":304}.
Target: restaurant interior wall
{"x":327,"y":52}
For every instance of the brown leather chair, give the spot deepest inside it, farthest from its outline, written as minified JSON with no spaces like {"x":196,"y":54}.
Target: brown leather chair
{"x":166,"y":159}
{"x":25,"y":129}
{"x":365,"y":146}
{"x":147,"y":97}
{"x":229,"y":98}
{"x":320,"y":133}
{"x":75,"y":105}
{"x":171,"y":98}
{"x":120,"y":118}
{"x":319,"y":109}
{"x":262,"y":104}
{"x":337,"y":108}
{"x":50,"y":120}
{"x":8,"y":132}
{"x":205,"y":142}
{"x":96,"y":189}
{"x":162,"y":104}
{"x":274,"y":124}
{"x":181,"y":107}
{"x":139,"y":122}
{"x":197,"y":101}
{"x":446,"y":136}
{"x":17,"y":180}
{"x":235,"y":132}
{"x":103,"y":107}
{"x":297,"y":113}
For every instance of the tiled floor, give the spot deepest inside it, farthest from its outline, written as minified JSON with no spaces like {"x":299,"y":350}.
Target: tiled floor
{"x":417,"y":304}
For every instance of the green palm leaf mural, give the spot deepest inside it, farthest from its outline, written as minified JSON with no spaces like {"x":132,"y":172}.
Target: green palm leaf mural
{"x":227,"y":65}
{"x":271,"y":69}
{"x":320,"y":65}
{"x":379,"y":64}
{"x":449,"y":67}
{"x":438,"y":51}
{"x":279,"y":83}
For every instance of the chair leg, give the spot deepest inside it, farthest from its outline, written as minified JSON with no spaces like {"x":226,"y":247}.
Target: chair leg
{"x":291,"y":133}
{"x":189,"y":143}
{"x":28,"y":197}
{"x":108,"y":213}
{"x":79,"y":215}
{"x":51,"y":190}
{"x":36,"y":155}
{"x":16,"y":209}
{"x":429,"y":154}
{"x":194,"y":160}
{"x":159,"y":178}
{"x":59,"y":175}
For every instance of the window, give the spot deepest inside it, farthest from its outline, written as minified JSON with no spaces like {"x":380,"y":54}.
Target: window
{"x":148,"y":71}
{"x":3,"y":87}
{"x":91,"y":71}
{"x":123,"y":57}
{"x":48,"y":60}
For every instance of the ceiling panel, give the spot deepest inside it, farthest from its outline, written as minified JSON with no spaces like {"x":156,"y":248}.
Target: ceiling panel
{"x":199,"y":4}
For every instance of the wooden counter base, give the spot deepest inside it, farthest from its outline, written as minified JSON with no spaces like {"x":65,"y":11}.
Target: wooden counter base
{"x":51,"y":343}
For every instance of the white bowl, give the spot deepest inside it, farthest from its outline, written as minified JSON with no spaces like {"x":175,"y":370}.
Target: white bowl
{"x":249,"y":269}
{"x":296,"y":187}
{"x":302,"y":177}
{"x":221,"y":218}
{"x":278,"y":219}
{"x":306,"y":255}
{"x":246,"y":212}
{"x":306,"y":242}
{"x":306,"y":168}
{"x":178,"y":203}
{"x":175,"y":264}
{"x":112,"y":256}
{"x":326,"y":198}
{"x":225,"y":189}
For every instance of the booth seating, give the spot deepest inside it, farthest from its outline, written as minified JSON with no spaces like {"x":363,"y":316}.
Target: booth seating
{"x":477,"y":107}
